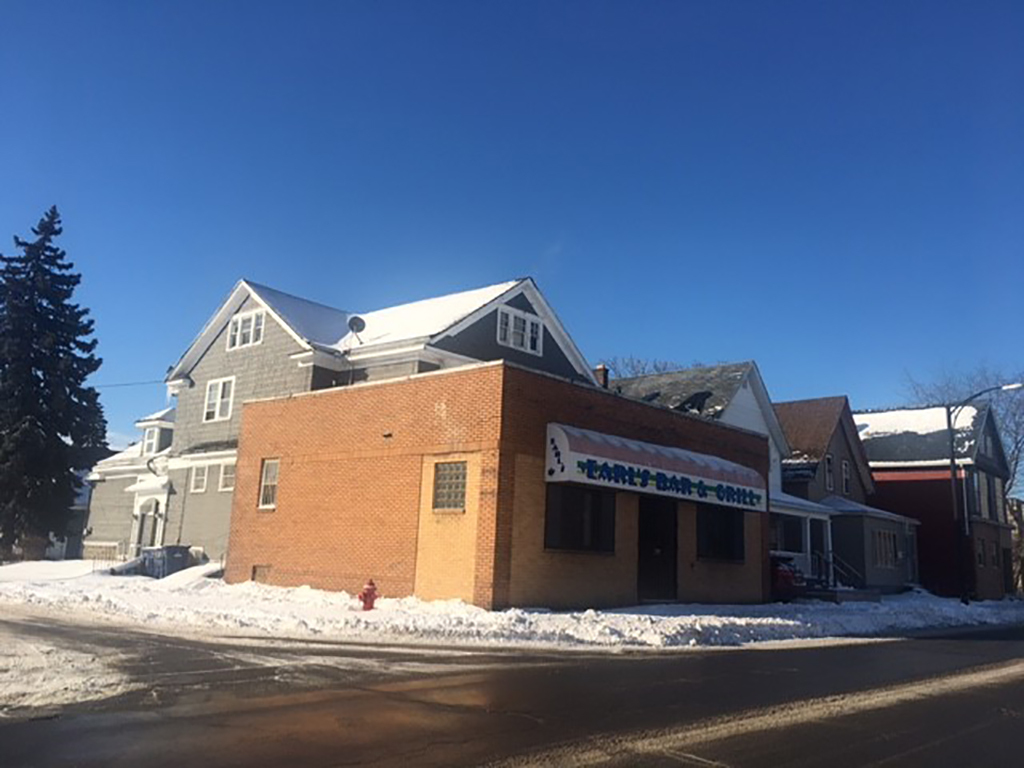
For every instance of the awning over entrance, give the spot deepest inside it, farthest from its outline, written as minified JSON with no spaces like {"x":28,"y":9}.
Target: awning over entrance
{"x":594,"y":458}
{"x":151,"y":484}
{"x":786,"y":504}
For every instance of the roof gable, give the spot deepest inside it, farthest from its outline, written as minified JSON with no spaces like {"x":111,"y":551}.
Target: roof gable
{"x":526,"y":296}
{"x":810,"y":424}
{"x":707,"y":391}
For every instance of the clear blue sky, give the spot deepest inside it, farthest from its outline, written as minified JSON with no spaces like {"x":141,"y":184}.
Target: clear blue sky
{"x":835,"y":189}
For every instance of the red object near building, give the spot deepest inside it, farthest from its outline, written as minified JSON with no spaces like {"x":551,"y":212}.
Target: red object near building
{"x":369,"y":595}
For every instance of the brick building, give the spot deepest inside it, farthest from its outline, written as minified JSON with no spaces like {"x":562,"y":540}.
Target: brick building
{"x":500,"y":486}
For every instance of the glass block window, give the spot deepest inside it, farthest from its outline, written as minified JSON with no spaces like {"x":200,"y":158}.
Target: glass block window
{"x":450,"y":485}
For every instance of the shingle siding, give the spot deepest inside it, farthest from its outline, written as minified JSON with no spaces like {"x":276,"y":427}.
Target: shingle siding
{"x":261,"y":370}
{"x":110,"y":511}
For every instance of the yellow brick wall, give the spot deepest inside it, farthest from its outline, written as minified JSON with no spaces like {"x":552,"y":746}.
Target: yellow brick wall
{"x":446,"y":546}
{"x":567,"y":579}
{"x":710,"y":581}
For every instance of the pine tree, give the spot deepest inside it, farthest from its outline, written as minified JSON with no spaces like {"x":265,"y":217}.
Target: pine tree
{"x":51,"y":423}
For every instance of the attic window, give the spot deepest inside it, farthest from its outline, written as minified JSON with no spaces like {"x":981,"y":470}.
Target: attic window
{"x":246,"y":329}
{"x":520,"y":330}
{"x":149,"y":442}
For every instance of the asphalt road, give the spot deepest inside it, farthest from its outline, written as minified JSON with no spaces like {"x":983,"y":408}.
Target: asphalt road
{"x":953,"y":700}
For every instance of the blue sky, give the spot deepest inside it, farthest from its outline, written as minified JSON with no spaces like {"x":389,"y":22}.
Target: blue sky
{"x":833,"y":189}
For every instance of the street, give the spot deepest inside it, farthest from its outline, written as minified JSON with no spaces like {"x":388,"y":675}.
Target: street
{"x":945,"y":699}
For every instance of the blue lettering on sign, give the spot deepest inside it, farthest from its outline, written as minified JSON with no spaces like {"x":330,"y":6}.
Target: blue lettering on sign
{"x":679,"y":485}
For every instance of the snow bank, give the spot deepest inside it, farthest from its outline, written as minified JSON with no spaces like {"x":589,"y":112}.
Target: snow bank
{"x":192,"y":601}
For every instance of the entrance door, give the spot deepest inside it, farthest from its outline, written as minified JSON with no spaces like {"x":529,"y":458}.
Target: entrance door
{"x":656,"y":561}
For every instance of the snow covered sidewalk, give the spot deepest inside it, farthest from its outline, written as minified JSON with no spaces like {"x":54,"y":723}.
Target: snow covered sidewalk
{"x":192,"y":603}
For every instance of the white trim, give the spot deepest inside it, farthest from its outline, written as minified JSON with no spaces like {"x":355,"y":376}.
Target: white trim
{"x":530,"y":322}
{"x":217,"y":416}
{"x":194,"y":479}
{"x":236,"y":333}
{"x":941,"y":463}
{"x":220,"y":479}
{"x":149,"y":446}
{"x":263,"y":482}
{"x":193,"y":459}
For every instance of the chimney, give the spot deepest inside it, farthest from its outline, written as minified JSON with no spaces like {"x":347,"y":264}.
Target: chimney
{"x":601,"y":374}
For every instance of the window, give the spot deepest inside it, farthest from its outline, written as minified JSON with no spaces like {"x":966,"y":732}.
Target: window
{"x":150,"y":441}
{"x":1000,"y":500}
{"x":979,"y":548}
{"x":993,"y":510}
{"x":719,"y":533}
{"x":830,"y":483}
{"x":993,"y":554}
{"x":787,"y":533}
{"x":450,"y":486}
{"x":219,"y":393}
{"x":846,"y":477}
{"x":227,"y":477}
{"x":579,"y":518}
{"x":246,"y":329}
{"x":885,"y":551}
{"x":199,"y":479}
{"x":520,"y":330}
{"x":268,"y":483}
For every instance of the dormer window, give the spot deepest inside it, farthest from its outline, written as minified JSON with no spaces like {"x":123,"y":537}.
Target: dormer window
{"x":520,"y":330}
{"x":150,"y":441}
{"x":246,"y":329}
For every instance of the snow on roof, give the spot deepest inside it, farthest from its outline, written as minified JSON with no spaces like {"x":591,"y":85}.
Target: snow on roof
{"x":314,"y":322}
{"x":915,"y":435}
{"x":420,"y":319}
{"x":167,"y":414}
{"x":921,"y":421}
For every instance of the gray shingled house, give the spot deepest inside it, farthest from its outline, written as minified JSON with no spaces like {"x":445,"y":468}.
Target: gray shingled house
{"x":176,"y":485}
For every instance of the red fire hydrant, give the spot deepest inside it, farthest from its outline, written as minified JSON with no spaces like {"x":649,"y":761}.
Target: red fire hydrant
{"x":369,"y":595}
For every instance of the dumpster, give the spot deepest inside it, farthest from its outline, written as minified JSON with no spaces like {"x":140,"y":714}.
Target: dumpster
{"x":153,"y":562}
{"x":176,"y":558}
{"x":158,"y":562}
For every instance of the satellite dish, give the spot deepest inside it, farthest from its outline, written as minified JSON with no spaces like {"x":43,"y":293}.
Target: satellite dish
{"x":356,"y":324}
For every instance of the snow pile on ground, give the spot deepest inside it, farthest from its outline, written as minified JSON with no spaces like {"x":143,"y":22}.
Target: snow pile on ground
{"x":192,"y":601}
{"x":34,"y":673}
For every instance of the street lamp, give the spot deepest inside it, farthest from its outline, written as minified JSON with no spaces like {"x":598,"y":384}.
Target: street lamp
{"x":952,"y":411}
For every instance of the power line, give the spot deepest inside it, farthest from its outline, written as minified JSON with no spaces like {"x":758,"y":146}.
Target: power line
{"x":128,"y":384}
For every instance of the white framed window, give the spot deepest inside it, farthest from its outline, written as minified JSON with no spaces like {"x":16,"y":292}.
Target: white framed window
{"x":227,"y":478}
{"x":219,"y":394}
{"x":830,"y":480}
{"x":268,"y":483}
{"x":885,"y":550}
{"x":150,"y":440}
{"x":520,"y":330}
{"x":199,"y":475}
{"x":846,"y":477}
{"x":246,"y":329}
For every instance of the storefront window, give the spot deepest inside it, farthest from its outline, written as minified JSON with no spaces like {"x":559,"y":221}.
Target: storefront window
{"x":719,"y":533}
{"x":578,"y":518}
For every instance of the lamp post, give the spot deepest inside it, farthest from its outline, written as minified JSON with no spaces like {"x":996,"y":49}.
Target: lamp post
{"x":952,"y":411}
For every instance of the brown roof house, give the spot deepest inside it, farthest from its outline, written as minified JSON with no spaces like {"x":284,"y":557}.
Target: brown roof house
{"x":871,"y":548}
{"x":735,"y":394}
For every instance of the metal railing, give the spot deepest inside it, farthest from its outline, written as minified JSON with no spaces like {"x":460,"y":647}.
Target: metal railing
{"x":842,"y":572}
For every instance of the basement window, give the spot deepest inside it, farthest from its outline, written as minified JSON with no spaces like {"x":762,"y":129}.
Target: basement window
{"x":450,"y":486}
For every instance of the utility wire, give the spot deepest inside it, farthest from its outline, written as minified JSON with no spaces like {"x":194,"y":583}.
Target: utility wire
{"x":128,"y":384}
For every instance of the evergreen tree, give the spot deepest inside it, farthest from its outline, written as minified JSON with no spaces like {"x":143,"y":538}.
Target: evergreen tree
{"x":51,"y":423}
